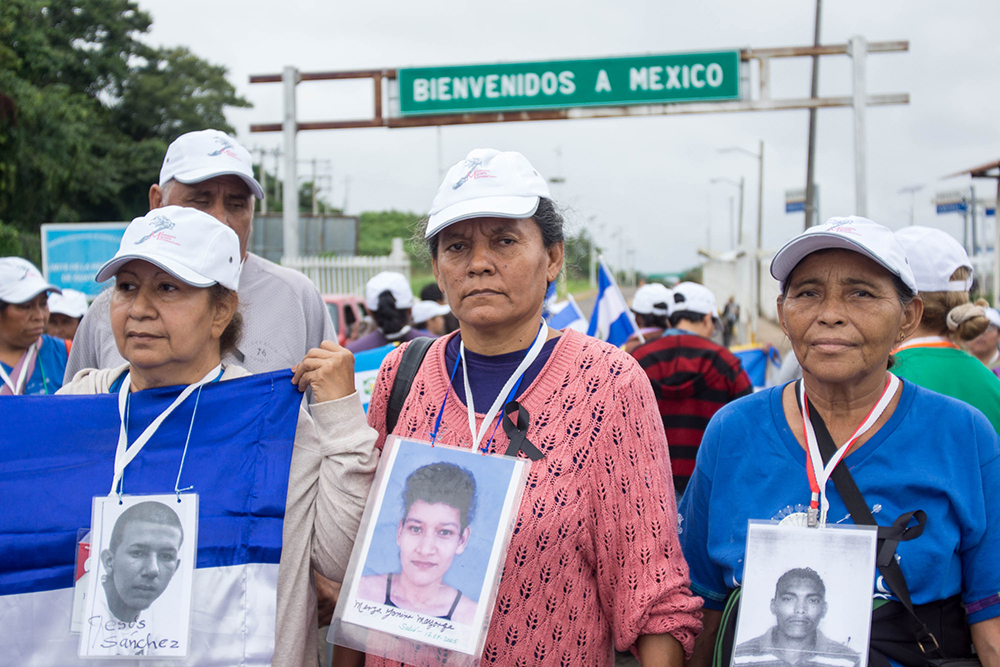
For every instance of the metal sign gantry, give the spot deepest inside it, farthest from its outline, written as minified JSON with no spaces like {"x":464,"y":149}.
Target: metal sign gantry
{"x":386,"y":86}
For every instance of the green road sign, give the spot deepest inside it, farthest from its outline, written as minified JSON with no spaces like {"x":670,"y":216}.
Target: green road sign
{"x":663,"y":79}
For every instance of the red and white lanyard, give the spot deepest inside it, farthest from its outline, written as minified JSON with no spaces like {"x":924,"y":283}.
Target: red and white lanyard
{"x":26,"y":365}
{"x":819,"y":474}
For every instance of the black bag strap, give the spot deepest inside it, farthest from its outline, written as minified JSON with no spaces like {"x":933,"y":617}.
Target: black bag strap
{"x":413,"y":356}
{"x":888,"y":538}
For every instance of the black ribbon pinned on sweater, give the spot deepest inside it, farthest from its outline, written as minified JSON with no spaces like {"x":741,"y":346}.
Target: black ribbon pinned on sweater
{"x":518,"y":433}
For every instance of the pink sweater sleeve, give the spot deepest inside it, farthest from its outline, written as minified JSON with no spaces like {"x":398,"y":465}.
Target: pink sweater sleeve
{"x":643,"y":579}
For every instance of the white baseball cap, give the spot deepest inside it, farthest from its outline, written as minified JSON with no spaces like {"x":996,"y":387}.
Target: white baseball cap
{"x":198,"y":156}
{"x":854,"y":233}
{"x":20,"y":281}
{"x":993,"y":316}
{"x":652,"y":299}
{"x":187,"y":243}
{"x":695,"y":298}
{"x":487,"y":184}
{"x":389,"y":281}
{"x":934,"y":256}
{"x":71,"y":302}
{"x":425,"y":310}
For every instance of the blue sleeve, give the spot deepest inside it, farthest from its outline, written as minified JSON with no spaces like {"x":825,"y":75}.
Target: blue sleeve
{"x":706,"y":578}
{"x":980,"y":573}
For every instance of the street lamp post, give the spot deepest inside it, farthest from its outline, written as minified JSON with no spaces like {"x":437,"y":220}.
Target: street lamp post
{"x":755,"y":264}
{"x":738,"y":240}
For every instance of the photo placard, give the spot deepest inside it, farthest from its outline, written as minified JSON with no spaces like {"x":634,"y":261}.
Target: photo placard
{"x":141,"y":572}
{"x":428,"y":558}
{"x":807,"y":596}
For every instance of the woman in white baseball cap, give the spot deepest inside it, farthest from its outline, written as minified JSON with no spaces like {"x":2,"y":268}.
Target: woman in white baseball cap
{"x":389,"y":300}
{"x":31,"y":362}
{"x":174,"y":318}
{"x":932,"y":355}
{"x":848,"y":297}
{"x":986,"y":346}
{"x":600,"y":491}
{"x":66,"y":311}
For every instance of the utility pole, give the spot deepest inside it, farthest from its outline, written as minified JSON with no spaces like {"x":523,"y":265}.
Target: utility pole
{"x":912,"y":190}
{"x":263,"y":181}
{"x":975,"y":234}
{"x":859,"y":58}
{"x":811,"y":218}
{"x":290,"y":200}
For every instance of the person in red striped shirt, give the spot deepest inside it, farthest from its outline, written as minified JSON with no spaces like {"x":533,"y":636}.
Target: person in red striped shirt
{"x":692,"y":376}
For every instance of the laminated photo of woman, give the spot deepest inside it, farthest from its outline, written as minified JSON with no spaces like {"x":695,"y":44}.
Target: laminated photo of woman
{"x":439,"y":503}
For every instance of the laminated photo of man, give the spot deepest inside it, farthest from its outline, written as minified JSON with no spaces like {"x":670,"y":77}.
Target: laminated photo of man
{"x":798,"y":606}
{"x":439,"y":503}
{"x":141,"y":558}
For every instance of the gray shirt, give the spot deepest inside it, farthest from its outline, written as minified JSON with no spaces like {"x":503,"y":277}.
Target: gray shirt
{"x":283,"y":318}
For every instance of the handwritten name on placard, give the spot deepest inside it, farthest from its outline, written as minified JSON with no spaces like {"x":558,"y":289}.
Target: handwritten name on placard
{"x":411,"y":623}
{"x":134,"y":637}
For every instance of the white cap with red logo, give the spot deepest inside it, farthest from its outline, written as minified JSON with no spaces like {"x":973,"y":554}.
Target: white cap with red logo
{"x":487,"y":184}
{"x":198,"y":156}
{"x":187,"y":243}
{"x":854,"y":233}
{"x":20,"y":281}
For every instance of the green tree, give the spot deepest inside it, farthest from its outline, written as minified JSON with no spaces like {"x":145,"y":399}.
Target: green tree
{"x":87,"y":109}
{"x":376,"y":229}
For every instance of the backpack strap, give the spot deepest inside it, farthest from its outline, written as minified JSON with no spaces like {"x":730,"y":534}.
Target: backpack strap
{"x":413,"y":356}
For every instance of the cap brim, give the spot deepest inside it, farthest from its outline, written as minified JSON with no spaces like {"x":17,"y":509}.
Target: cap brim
{"x":199,"y":175}
{"x":482,"y":207}
{"x":793,"y":252}
{"x":182,"y":273}
{"x":29,"y":292}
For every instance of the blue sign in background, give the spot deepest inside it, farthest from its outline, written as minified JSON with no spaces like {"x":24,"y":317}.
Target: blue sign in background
{"x":72,"y":253}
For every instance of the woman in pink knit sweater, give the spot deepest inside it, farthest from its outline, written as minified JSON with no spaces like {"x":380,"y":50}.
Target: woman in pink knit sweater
{"x":594,"y":563}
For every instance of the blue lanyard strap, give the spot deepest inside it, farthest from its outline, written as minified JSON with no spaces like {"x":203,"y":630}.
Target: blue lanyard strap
{"x":451,"y":380}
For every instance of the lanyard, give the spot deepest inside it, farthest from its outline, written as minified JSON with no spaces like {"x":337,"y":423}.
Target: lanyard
{"x":819,"y":474}
{"x":515,"y":379}
{"x":929,"y":342}
{"x":124,"y":453}
{"x":27,"y":364}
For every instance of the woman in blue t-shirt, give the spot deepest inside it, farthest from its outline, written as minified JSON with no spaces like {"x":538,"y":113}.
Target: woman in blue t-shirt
{"x":848,"y":297}
{"x":30,"y":361}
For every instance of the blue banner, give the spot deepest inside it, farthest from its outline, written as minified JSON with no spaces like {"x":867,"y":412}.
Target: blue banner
{"x":366,"y":365}
{"x":58,"y":453}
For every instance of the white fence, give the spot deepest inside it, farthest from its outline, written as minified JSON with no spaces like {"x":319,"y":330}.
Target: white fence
{"x":348,"y":275}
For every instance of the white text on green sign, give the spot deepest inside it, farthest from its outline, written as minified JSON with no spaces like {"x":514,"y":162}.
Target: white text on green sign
{"x":662,"y":79}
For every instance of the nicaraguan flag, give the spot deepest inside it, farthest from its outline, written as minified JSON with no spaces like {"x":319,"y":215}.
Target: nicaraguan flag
{"x":611,"y":320}
{"x":58,"y":453}
{"x":567,"y":315}
{"x":366,"y":365}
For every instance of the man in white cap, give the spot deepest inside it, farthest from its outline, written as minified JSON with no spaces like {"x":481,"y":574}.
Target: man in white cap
{"x":692,"y":376}
{"x":283,"y":313}
{"x":651,"y":305}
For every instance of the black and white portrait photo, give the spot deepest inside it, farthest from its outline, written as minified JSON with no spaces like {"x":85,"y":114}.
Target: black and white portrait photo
{"x":807,"y":597}
{"x":798,"y":606}
{"x":140,"y":600}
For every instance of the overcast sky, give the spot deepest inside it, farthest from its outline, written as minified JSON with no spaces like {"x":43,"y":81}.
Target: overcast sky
{"x":648,"y":175}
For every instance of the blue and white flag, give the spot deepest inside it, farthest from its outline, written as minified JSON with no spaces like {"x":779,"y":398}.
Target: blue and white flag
{"x":366,"y":365}
{"x":567,"y":315}
{"x":611,"y":320}
{"x":58,"y":453}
